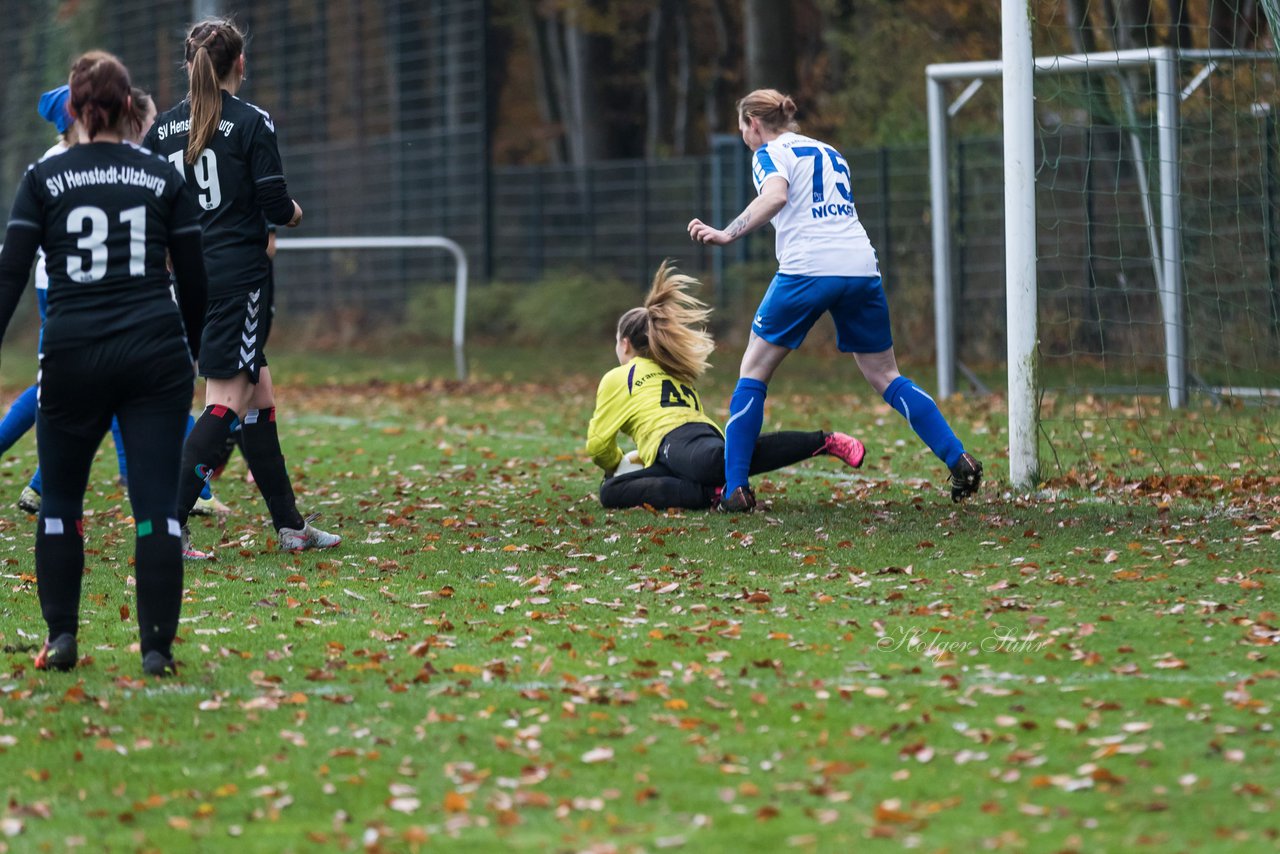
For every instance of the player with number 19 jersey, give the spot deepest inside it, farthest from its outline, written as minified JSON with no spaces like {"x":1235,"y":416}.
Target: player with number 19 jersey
{"x":238,"y":181}
{"x":818,"y":230}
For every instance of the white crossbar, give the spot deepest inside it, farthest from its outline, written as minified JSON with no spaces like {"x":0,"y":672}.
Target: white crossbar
{"x":460,"y":284}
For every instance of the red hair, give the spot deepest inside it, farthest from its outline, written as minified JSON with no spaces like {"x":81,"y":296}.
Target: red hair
{"x":100,"y":90}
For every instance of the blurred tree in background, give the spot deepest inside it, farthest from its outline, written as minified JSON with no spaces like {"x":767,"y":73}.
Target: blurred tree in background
{"x":578,"y":81}
{"x":598,"y":79}
{"x":547,"y":134}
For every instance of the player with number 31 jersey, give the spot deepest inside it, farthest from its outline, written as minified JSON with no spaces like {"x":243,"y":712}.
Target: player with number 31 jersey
{"x":106,"y":214}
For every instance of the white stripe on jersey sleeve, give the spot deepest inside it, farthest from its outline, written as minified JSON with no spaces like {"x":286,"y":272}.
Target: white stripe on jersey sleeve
{"x":762,"y":166}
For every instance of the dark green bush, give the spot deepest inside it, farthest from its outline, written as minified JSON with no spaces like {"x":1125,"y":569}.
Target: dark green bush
{"x":490,"y":311}
{"x":573,"y":308}
{"x":563,"y":308}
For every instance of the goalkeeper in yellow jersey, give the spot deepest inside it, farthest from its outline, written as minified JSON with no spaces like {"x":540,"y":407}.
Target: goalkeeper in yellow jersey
{"x":662,"y":349}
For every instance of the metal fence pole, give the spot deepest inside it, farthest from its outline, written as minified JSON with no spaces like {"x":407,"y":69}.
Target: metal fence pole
{"x":740,"y":170}
{"x":718,"y":215}
{"x":960,"y":244}
{"x":1268,"y":134}
{"x":589,"y":209}
{"x":886,"y":226}
{"x":539,"y":240}
{"x":643,"y":197}
{"x":486,"y":131}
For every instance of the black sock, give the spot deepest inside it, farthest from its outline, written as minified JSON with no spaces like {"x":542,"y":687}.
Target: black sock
{"x":59,"y":568}
{"x":158,"y":570}
{"x":200,"y":454}
{"x":266,"y":462}
{"x":229,"y":445}
{"x":786,"y":447}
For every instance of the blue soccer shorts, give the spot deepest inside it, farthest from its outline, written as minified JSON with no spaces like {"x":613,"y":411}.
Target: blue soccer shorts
{"x":794,"y":303}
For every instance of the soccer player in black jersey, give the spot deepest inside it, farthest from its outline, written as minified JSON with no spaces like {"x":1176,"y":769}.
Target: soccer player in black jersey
{"x":228,"y":149}
{"x":106,"y":213}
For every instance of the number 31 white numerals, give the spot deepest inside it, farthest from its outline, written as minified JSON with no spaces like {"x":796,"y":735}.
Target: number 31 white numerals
{"x":94,"y":221}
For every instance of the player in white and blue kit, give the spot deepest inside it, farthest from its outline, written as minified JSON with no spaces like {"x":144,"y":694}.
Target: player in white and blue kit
{"x":826,"y":263}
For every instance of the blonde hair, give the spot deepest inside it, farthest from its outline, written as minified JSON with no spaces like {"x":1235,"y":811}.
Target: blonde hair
{"x":212,"y":49}
{"x":775,"y":110}
{"x":670,"y":327}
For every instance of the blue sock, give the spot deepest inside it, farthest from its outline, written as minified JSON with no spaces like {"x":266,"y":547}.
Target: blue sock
{"x":37,"y":482}
{"x":121,"y":463}
{"x":924,"y":417}
{"x":19,"y":419}
{"x":746,"y":417}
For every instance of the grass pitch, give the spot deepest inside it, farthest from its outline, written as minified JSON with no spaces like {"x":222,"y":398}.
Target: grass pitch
{"x":492,"y":662}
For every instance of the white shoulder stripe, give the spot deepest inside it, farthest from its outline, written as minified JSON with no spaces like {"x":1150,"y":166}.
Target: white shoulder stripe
{"x":266,"y":117}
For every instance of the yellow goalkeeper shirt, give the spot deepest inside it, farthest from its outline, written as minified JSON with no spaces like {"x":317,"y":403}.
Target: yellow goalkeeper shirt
{"x":646,"y":403}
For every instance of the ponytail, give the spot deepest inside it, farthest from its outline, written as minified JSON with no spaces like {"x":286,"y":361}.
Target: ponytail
{"x":206,"y":104}
{"x":142,"y":105}
{"x":670,"y":327}
{"x":213,"y":47}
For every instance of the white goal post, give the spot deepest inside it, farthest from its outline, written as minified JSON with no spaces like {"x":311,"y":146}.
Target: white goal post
{"x":1017,"y":70}
{"x":460,"y":278}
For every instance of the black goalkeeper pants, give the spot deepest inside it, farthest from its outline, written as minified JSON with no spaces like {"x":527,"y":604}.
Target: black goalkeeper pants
{"x":147,"y":383}
{"x":690,"y":465}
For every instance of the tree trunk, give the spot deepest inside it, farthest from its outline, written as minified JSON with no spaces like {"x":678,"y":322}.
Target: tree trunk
{"x":722,"y":22}
{"x":1248,"y":25}
{"x":837,"y":17}
{"x":565,"y":62}
{"x":771,"y":45}
{"x":655,"y":78}
{"x":1130,"y":23}
{"x":1082,"y":37}
{"x":684,"y":81}
{"x":545,"y":62}
{"x":583,"y":124}
{"x":1180,"y":25}
{"x":1224,"y":16}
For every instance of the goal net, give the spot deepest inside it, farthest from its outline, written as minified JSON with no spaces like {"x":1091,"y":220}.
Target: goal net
{"x":1151,"y":321}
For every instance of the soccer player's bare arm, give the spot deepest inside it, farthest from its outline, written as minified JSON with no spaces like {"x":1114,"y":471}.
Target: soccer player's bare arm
{"x":763,"y":208}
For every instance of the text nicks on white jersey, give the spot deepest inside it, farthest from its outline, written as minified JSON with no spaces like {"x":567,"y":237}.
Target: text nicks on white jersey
{"x":818,"y":231}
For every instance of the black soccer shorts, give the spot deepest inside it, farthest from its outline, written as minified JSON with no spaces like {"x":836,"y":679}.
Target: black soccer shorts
{"x":235,"y":334}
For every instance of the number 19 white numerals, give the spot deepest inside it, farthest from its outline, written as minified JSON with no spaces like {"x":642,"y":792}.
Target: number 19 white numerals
{"x":205,"y":170}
